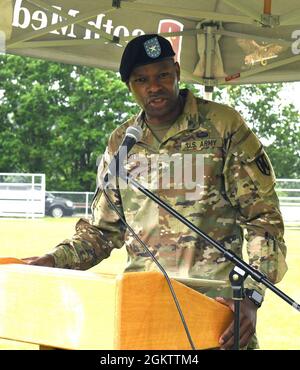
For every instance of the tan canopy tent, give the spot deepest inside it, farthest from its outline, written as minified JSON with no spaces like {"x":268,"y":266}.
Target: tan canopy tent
{"x":217,"y":41}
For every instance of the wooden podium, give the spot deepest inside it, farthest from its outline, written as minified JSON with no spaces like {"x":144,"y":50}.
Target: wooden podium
{"x":83,"y":310}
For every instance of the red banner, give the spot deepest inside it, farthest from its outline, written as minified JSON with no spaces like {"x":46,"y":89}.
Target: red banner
{"x":169,"y":26}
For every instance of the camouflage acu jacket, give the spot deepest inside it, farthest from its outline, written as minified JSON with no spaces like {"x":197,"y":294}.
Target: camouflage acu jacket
{"x":234,"y":193}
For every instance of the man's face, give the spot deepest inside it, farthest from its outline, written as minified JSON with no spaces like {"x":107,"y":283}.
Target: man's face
{"x":155,"y":88}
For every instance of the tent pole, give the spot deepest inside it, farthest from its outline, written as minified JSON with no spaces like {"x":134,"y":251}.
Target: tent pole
{"x":209,"y":59}
{"x":267,"y":19}
{"x":209,"y":51}
{"x":268,"y":7}
{"x":208,"y":93}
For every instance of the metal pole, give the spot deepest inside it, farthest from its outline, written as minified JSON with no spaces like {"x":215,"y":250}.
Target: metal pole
{"x":268,"y":7}
{"x":86,"y":204}
{"x":228,"y":254}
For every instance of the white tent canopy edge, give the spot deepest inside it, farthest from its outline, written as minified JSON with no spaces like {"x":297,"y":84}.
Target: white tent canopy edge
{"x":221,"y":42}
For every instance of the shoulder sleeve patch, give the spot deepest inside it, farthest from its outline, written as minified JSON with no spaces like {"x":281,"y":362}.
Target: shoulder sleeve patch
{"x":263,"y":164}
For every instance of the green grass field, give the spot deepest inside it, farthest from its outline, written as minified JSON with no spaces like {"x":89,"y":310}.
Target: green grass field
{"x":278,"y":323}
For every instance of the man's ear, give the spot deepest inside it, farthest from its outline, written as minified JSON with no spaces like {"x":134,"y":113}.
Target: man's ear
{"x":128,"y":86}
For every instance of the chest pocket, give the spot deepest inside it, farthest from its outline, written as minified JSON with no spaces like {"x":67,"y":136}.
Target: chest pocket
{"x":209,"y":154}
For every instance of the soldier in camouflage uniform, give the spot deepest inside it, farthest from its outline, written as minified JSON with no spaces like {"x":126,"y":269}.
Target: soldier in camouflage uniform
{"x":236,"y":191}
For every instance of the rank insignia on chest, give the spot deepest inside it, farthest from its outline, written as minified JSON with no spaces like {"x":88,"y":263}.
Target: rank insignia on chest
{"x":152,"y":48}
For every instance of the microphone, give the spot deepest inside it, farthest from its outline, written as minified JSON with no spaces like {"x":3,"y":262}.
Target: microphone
{"x":132,"y":136}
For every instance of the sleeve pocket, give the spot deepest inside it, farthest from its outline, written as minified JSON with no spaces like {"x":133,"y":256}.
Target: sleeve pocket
{"x":273,"y":259}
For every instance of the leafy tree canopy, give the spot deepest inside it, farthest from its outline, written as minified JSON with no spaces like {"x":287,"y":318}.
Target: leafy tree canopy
{"x":276,"y":124}
{"x":56,"y":119}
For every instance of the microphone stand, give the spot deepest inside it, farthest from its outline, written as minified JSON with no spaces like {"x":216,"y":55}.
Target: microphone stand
{"x":241,"y":269}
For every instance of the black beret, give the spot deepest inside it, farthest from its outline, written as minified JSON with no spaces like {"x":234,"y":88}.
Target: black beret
{"x":142,"y":50}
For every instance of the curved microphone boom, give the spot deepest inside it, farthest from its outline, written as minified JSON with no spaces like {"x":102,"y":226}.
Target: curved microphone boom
{"x":132,"y":136}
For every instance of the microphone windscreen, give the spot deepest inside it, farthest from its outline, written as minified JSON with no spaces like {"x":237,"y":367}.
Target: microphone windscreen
{"x":135,"y":132}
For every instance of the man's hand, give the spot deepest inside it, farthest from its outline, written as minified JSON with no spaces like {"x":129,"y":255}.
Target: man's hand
{"x":247,"y":323}
{"x":47,"y":261}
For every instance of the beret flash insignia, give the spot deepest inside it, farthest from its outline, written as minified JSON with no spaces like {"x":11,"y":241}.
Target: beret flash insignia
{"x":152,"y":48}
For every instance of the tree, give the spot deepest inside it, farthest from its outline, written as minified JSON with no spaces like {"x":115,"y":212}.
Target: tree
{"x":277,"y":125}
{"x":55,"y":119}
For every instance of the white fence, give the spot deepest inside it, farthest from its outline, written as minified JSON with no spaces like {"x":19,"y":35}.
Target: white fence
{"x":81,"y":200}
{"x":31,"y":201}
{"x":22,"y":195}
{"x":288,"y":191}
